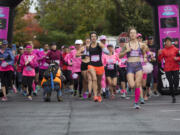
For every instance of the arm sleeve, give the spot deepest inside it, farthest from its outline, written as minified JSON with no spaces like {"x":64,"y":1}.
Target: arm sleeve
{"x":11,"y":58}
{"x":161,"y":56}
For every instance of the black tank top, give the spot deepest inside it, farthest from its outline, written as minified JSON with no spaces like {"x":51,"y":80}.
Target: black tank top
{"x":95,"y":56}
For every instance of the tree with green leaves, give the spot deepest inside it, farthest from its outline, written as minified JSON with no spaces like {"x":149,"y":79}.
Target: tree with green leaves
{"x":20,"y":37}
{"x":66,"y":20}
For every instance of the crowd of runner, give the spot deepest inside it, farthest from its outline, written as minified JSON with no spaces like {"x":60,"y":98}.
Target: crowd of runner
{"x":93,"y":69}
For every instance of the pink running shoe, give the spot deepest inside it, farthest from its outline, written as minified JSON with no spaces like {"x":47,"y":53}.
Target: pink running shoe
{"x":4,"y":99}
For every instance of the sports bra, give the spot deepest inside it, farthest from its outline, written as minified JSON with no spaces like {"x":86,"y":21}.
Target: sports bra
{"x":134,"y":53}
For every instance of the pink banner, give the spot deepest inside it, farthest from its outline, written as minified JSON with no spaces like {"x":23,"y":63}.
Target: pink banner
{"x":169,"y":24}
{"x":4,"y":19}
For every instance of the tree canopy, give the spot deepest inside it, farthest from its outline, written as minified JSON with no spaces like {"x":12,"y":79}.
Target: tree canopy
{"x":64,"y":21}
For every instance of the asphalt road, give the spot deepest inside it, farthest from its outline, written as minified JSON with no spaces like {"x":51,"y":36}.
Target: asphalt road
{"x":84,"y":117}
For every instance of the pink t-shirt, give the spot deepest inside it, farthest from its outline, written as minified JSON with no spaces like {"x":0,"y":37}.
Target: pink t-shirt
{"x":42,"y":60}
{"x":29,"y":70}
{"x":123,"y":60}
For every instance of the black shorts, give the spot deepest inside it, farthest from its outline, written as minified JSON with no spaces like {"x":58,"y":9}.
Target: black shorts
{"x":111,"y":73}
{"x":122,"y":74}
{"x":27,"y":80}
{"x":84,"y":66}
{"x":67,"y":74}
{"x":6,"y":78}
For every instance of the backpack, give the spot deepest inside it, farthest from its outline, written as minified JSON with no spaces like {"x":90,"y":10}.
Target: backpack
{"x":53,"y":69}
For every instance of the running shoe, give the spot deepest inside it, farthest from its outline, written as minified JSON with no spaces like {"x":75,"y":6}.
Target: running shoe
{"x":4,"y":99}
{"x":60,"y":99}
{"x":75,"y":92}
{"x":142,"y":101}
{"x":71,"y":91}
{"x":123,"y":95}
{"x":136,"y":106}
{"x":122,"y":91}
{"x":84,"y":96}
{"x":104,"y":94}
{"x":107,"y":93}
{"x":155,"y":93}
{"x":99,"y":99}
{"x":14,"y":89}
{"x":89,"y":95}
{"x":118,"y":91}
{"x":24,"y":93}
{"x":146,"y":98}
{"x":30,"y":98}
{"x":19,"y":90}
{"x":95,"y":98}
{"x":112,"y":96}
{"x":35,"y":93}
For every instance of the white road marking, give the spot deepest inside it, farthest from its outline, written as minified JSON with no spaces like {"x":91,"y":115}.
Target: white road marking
{"x":170,"y":110}
{"x":178,"y":119}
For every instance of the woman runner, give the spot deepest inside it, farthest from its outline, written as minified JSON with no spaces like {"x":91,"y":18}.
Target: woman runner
{"x":134,"y":50}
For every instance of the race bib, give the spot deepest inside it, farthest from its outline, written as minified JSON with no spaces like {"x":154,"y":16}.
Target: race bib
{"x":75,"y":76}
{"x":110,"y":61}
{"x":46,"y":64}
{"x":28,"y":68}
{"x":95,"y":58}
{"x":4,"y":64}
{"x":123,"y":61}
{"x":110,"y":67}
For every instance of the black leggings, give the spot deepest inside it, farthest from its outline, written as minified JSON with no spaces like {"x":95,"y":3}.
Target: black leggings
{"x":173,"y":78}
{"x":6,"y":79}
{"x":18,"y":79}
{"x":78,"y":83}
{"x":27,"y":83}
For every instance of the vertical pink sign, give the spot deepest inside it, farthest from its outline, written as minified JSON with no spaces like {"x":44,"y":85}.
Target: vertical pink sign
{"x":4,"y":20}
{"x":169,"y":24}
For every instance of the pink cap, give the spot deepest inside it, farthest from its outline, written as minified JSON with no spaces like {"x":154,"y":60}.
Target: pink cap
{"x":139,"y":35}
{"x":103,"y":37}
{"x":29,"y":46}
{"x":62,"y":47}
{"x":72,"y":47}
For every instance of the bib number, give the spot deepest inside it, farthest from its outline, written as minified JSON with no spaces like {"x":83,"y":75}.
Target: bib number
{"x":46,"y":64}
{"x":110,"y":61}
{"x":110,"y":67}
{"x":29,"y":68}
{"x":4,"y":64}
{"x":74,"y":76}
{"x":95,"y":58}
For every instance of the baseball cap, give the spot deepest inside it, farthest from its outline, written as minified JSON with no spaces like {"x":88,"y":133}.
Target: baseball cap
{"x":78,"y":42}
{"x":72,"y":47}
{"x":139,"y":35}
{"x":103,"y":37}
{"x":21,"y":48}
